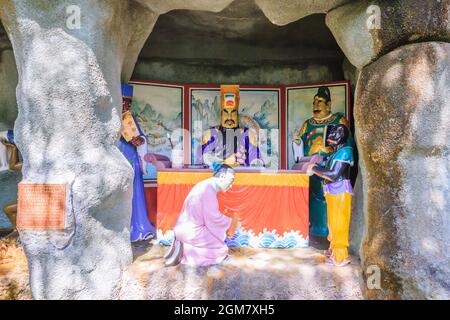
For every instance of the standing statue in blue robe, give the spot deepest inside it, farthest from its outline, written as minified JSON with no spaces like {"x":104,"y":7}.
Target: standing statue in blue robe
{"x":134,"y":150}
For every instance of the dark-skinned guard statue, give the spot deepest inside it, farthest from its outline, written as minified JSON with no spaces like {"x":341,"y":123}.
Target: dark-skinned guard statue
{"x":335,"y":172}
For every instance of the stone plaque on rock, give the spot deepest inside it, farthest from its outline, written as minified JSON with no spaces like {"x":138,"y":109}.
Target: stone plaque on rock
{"x":41,"y":206}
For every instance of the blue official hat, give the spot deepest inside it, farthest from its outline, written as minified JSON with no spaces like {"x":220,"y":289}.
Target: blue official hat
{"x":127,"y":90}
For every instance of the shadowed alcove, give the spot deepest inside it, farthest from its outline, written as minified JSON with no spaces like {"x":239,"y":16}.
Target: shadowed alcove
{"x":239,"y":45}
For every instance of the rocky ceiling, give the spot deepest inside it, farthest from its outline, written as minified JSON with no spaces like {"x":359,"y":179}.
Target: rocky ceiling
{"x":241,"y":31}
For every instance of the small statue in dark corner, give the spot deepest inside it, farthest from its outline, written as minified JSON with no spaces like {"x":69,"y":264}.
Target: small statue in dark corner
{"x":14,"y":164}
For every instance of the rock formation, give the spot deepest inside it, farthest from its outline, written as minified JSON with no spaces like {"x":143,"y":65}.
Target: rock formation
{"x":402,"y":118}
{"x":67,"y":131}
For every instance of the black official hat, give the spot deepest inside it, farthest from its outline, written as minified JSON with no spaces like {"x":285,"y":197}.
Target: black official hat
{"x":324,"y":92}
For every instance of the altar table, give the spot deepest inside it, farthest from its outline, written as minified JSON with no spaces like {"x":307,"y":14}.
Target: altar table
{"x":272,"y":206}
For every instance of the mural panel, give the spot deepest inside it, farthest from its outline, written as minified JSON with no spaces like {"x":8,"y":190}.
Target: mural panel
{"x":258,"y":109}
{"x":300,"y":108}
{"x":159,"y":111}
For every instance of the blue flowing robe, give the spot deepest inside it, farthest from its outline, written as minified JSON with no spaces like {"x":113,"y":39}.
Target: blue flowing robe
{"x":141,"y":228}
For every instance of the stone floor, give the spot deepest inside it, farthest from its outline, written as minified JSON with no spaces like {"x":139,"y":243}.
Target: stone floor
{"x":249,"y":273}
{"x":13,"y":270}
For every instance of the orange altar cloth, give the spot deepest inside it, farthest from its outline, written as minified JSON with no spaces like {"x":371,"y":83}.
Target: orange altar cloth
{"x":272,"y":206}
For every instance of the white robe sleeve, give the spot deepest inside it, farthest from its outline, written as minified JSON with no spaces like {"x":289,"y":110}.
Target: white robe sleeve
{"x":298,"y":150}
{"x":4,"y":155}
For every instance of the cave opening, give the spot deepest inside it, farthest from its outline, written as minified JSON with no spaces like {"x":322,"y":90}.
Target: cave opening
{"x":241,"y":45}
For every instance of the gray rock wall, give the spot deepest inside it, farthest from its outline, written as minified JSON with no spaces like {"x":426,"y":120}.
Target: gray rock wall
{"x":394,"y":23}
{"x":283,"y":12}
{"x":401,"y":124}
{"x":402,"y":121}
{"x":8,"y":83}
{"x":276,"y":73}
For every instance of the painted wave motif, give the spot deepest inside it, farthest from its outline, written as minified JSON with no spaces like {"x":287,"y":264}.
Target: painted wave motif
{"x":247,"y":238}
{"x":268,"y":239}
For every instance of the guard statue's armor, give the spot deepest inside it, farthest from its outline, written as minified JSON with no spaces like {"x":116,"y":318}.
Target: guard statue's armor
{"x":311,"y":136}
{"x":312,"y":133}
